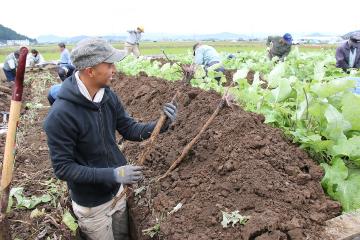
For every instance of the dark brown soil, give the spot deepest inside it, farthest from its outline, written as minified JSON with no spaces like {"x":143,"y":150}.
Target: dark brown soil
{"x":229,"y":74}
{"x":32,"y":170}
{"x":250,"y":78}
{"x":162,"y":61}
{"x":240,"y":163}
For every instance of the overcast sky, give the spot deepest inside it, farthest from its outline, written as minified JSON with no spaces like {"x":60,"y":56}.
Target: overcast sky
{"x":104,"y":17}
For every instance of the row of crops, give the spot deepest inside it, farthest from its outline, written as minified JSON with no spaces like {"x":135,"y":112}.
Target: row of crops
{"x":306,"y":96}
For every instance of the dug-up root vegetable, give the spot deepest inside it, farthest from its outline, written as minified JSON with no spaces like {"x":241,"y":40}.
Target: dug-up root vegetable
{"x":225,"y":100}
{"x":149,"y":146}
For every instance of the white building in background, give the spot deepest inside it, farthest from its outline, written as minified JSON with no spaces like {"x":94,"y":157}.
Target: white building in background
{"x":318,"y":40}
{"x":18,"y":42}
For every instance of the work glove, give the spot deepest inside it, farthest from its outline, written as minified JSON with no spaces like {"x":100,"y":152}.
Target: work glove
{"x":128,"y":174}
{"x":170,"y":111}
{"x":66,"y":70}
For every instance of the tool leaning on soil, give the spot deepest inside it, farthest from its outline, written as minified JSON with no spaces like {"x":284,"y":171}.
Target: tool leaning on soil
{"x":225,"y":100}
{"x":149,"y":146}
{"x":9,"y":154}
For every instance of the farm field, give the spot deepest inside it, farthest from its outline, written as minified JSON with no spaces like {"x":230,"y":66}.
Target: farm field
{"x":51,"y":52}
{"x":277,"y":164}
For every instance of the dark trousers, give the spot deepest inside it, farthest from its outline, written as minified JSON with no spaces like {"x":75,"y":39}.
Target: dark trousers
{"x":65,"y":71}
{"x":10,"y":74}
{"x":220,"y":69}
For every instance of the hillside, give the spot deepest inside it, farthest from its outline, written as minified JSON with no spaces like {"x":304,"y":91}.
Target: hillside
{"x":9,"y":34}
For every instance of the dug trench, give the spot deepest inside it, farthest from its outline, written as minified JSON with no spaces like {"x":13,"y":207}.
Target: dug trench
{"x":33,"y":171}
{"x":239,"y":164}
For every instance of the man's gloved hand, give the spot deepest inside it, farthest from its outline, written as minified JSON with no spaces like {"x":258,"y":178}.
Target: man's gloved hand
{"x":128,"y":174}
{"x":170,"y":111}
{"x":66,"y":70}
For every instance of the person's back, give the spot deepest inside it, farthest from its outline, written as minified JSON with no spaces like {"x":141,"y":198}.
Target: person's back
{"x":10,"y":62}
{"x":205,"y":54}
{"x":209,"y":57}
{"x":278,"y":47}
{"x":134,"y":37}
{"x":10,"y":65}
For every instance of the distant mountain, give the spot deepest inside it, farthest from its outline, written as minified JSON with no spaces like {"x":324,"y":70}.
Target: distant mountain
{"x":9,"y":34}
{"x":50,"y":39}
{"x":223,"y":36}
{"x":317,"y":34}
{"x":75,"y":39}
{"x":195,"y":37}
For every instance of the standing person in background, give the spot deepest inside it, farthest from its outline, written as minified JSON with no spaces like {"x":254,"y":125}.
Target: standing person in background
{"x":279,"y":46}
{"x":10,"y":65}
{"x":33,"y":58}
{"x":209,"y":57}
{"x":66,"y":67}
{"x":133,"y":41}
{"x":348,"y":54}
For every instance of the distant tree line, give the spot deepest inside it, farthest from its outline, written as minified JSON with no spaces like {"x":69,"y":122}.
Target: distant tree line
{"x":9,"y":34}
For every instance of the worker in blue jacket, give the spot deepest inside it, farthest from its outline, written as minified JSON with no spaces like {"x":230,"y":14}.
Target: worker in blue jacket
{"x":208,"y":56}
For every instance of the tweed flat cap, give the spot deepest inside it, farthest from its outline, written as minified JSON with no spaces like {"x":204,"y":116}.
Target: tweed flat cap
{"x":92,"y":51}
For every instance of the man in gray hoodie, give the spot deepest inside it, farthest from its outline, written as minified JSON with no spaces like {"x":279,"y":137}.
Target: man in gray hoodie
{"x":81,"y":128}
{"x":348,"y":53}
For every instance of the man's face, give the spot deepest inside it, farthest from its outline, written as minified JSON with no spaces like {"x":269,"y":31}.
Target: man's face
{"x":103,"y":73}
{"x":61,"y":49}
{"x":34,"y":54}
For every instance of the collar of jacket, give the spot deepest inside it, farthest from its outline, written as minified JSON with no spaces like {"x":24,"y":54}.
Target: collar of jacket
{"x":70,"y":92}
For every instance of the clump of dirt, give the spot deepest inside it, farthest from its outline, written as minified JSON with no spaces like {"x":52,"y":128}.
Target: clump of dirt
{"x":229,"y":73}
{"x":161,"y":60}
{"x":250,"y":79}
{"x":239,"y":164}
